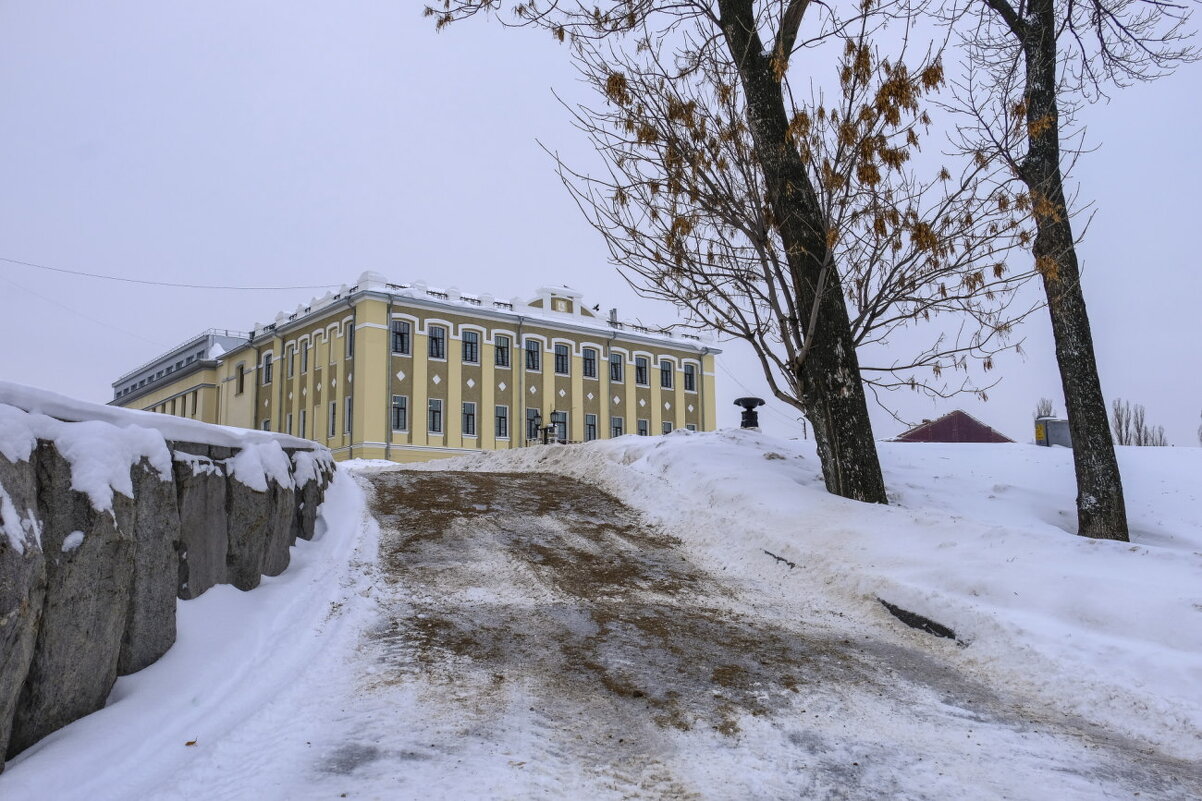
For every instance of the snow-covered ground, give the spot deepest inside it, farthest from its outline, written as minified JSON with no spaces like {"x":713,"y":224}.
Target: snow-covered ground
{"x":978,"y":538}
{"x":1106,"y":637}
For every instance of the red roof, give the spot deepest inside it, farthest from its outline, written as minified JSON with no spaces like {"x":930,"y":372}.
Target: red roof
{"x":954,"y":426}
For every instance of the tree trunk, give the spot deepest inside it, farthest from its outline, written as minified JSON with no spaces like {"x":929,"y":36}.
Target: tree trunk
{"x":1101,"y":510}
{"x":829,"y":375}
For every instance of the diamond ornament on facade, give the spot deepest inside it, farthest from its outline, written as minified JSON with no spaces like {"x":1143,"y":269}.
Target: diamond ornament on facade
{"x":533,"y":389}
{"x":690,"y":407}
{"x":400,"y":375}
{"x":502,"y":386}
{"x":667,"y":405}
{"x":617,"y":400}
{"x":589,"y":396}
{"x":471,"y":383}
{"x":562,"y":392}
{"x":642,"y":402}
{"x":436,"y":379}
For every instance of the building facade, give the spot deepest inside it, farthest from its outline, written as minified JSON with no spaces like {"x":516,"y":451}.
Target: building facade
{"x":409,"y":373}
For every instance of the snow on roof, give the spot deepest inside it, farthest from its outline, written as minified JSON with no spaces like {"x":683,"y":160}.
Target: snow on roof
{"x":475,"y":303}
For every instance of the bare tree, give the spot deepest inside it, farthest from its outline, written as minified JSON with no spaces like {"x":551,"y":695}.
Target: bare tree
{"x":683,"y":212}
{"x":1031,"y":64}
{"x":1044,"y":408}
{"x":719,"y":69}
{"x":1131,"y":428}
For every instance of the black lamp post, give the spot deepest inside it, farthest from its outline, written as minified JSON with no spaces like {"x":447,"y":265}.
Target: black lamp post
{"x":751,"y":418}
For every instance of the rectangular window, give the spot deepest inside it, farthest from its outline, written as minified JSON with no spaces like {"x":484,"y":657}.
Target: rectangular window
{"x":665,"y":373}
{"x":532,"y":420}
{"x":346,"y":415}
{"x":333,"y":427}
{"x":350,"y":340}
{"x":590,"y":362}
{"x":644,"y":428}
{"x":667,"y":427}
{"x":289,"y":428}
{"x":304,"y":424}
{"x":616,"y":367}
{"x":690,"y":378}
{"x":434,"y":423}
{"x":469,"y":419}
{"x":305,"y":357}
{"x":502,"y":348}
{"x":291,"y":362}
{"x":640,"y":370}
{"x":438,"y":342}
{"x":471,"y":347}
{"x":560,"y":421}
{"x":400,"y":413}
{"x":561,"y":359}
{"x":532,"y":354}
{"x":266,"y":425}
{"x":502,"y":422}
{"x":400,"y":337}
{"x":590,"y":427}
{"x":615,"y":426}
{"x":240,"y":385}
{"x":333,"y":351}
{"x":266,"y":368}
{"x":194,"y":401}
{"x":691,"y":427}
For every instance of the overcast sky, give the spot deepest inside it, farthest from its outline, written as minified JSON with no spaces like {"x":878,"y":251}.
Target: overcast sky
{"x":295,"y":143}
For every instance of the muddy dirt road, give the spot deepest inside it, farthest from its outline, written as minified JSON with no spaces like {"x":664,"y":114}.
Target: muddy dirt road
{"x":536,"y":639}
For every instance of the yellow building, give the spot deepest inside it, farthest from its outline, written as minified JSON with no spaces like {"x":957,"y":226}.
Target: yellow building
{"x":409,"y":373}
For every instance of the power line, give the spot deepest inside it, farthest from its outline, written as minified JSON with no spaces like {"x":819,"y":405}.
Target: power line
{"x":79,"y":314}
{"x":157,"y":283}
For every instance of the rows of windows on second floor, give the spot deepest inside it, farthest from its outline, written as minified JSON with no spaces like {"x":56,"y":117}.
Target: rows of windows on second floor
{"x":532,"y":350}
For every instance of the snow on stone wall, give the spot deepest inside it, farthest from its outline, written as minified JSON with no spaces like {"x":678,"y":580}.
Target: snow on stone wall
{"x":106,"y":517}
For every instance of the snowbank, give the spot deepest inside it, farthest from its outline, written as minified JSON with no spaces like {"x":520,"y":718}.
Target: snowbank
{"x":978,"y":538}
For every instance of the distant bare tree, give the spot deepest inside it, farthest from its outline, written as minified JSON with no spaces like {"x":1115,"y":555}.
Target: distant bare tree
{"x":1131,"y":428}
{"x":1031,"y":65}
{"x":1044,"y":408}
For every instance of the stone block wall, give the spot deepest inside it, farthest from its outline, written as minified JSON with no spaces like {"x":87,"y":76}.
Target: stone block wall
{"x":88,"y":593}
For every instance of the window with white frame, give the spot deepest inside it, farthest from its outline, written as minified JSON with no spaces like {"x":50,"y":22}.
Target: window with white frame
{"x":350,"y":340}
{"x":644,"y":428}
{"x":617,"y":366}
{"x":471,"y":347}
{"x":434,"y":416}
{"x":562,"y":359}
{"x":501,"y":347}
{"x":590,"y":427}
{"x":288,"y":419}
{"x":589,"y":359}
{"x":305,"y":357}
{"x":640,"y":371}
{"x":560,"y":422}
{"x":667,"y":427}
{"x":400,"y":413}
{"x":333,"y":427}
{"x":346,"y":415}
{"x":690,"y":378}
{"x":304,"y":424}
{"x":438,"y":342}
{"x":665,"y":374}
{"x":616,"y":427}
{"x":266,"y":374}
{"x":502,"y":422}
{"x":401,"y":337}
{"x":469,"y":419}
{"x":533,"y":354}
